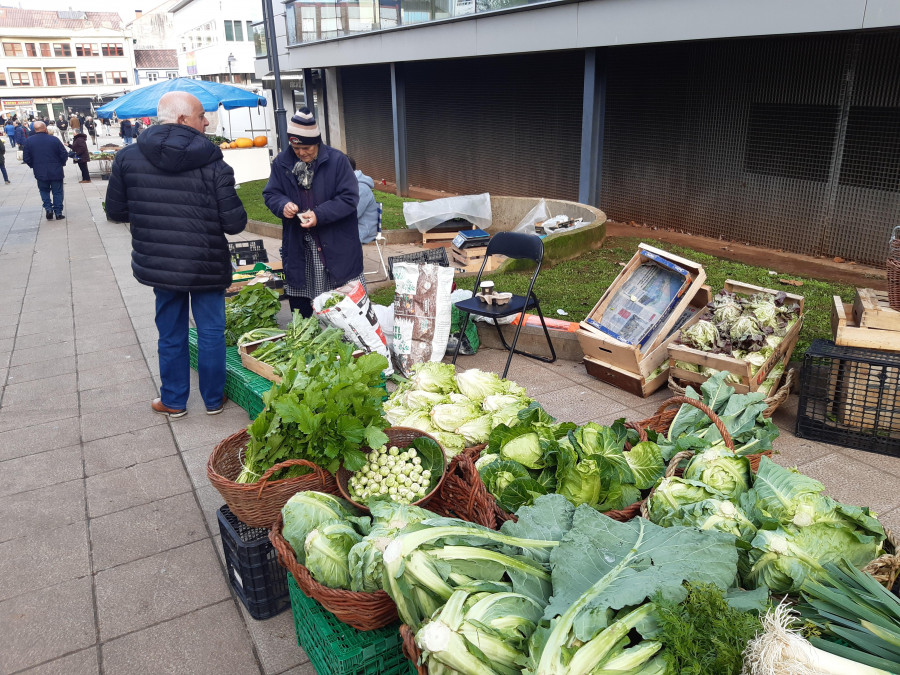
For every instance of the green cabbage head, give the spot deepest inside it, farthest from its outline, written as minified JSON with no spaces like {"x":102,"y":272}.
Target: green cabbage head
{"x":722,"y":470}
{"x":327,"y":550}
{"x":673,"y":493}
{"x":305,"y":511}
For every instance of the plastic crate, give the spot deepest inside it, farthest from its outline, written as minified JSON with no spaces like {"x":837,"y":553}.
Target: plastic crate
{"x":435,"y":256}
{"x":253,"y":569}
{"x":850,"y":396}
{"x":337,"y":649}
{"x":248,"y":252}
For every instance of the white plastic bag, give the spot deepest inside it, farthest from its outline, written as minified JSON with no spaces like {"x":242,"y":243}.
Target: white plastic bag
{"x":425,"y":215}
{"x":354,"y":315}
{"x":538,"y":214}
{"x":421,"y":314}
{"x":385,"y":316}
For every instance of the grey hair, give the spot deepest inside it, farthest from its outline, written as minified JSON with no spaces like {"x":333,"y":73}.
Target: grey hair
{"x":173,"y":105}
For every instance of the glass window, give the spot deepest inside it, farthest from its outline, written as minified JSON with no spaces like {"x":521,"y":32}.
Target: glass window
{"x":249,"y":31}
{"x":238,"y":31}
{"x":51,"y":79}
{"x":29,"y":49}
{"x":117,"y":77}
{"x":67,"y":78}
{"x":259,"y":40}
{"x":86,"y":50}
{"x":45,"y":49}
{"x":229,"y":32}
{"x":112,"y":49}
{"x":19,"y":79}
{"x":37,"y":79}
{"x":2,"y":79}
{"x":171,"y":75}
{"x":62,"y":49}
{"x":92,"y":78}
{"x":12,"y":49}
{"x":152,"y":77}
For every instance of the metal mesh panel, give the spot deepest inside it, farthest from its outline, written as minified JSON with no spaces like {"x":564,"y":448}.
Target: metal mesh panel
{"x":504,"y":125}
{"x":368,"y":119}
{"x":744,"y":140}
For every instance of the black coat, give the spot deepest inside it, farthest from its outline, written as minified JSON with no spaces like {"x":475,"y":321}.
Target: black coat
{"x":79,"y":146}
{"x":333,"y":198}
{"x":178,"y":194}
{"x":125,"y":129}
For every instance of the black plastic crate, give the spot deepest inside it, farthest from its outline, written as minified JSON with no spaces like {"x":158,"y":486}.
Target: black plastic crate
{"x":435,"y":256}
{"x":248,"y":252}
{"x":253,"y":569}
{"x":850,"y":396}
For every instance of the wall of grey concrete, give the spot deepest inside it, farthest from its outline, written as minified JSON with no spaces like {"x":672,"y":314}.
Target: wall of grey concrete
{"x":593,"y":23}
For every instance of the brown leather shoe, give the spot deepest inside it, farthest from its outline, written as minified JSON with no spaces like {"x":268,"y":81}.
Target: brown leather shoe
{"x":219,"y":408}
{"x":171,"y":413}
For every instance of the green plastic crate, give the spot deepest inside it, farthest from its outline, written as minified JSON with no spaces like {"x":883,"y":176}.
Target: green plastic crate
{"x":337,"y":649}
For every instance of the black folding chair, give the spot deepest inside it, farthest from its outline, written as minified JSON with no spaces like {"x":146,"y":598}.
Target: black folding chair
{"x":512,"y":245}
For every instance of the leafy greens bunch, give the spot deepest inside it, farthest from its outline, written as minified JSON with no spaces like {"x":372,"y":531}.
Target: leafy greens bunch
{"x":586,"y":464}
{"x":300,"y":334}
{"x":326,"y":406}
{"x":255,"y":306}
{"x":459,"y":409}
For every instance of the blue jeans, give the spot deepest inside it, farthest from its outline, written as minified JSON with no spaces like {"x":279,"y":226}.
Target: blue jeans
{"x":12,"y":140}
{"x":208,"y":308}
{"x":3,"y":171}
{"x":54,"y":187}
{"x":127,"y":140}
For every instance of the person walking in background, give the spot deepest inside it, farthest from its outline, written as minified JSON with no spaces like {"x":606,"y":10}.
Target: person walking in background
{"x":10,"y":130}
{"x":3,"y":162}
{"x":20,"y":136}
{"x":74,"y":123}
{"x":125,"y":131}
{"x":137,"y":127}
{"x":367,"y":209}
{"x":91,"y":127}
{"x":313,"y":190}
{"x":104,"y":126}
{"x":80,"y":148}
{"x":47,"y":156}
{"x":63,"y":125}
{"x":175,"y":189}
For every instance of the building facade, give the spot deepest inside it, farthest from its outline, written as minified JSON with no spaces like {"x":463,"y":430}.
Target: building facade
{"x":154,"y":29}
{"x":766,"y":122}
{"x":154,"y":65}
{"x":55,"y":62}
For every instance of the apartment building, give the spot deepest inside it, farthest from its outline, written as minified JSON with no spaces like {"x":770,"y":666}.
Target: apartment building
{"x":57,"y":62}
{"x":153,"y":29}
{"x":154,"y":65}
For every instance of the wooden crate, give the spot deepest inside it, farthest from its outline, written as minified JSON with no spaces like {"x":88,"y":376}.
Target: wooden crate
{"x":872,"y":310}
{"x":469,"y":259}
{"x":255,"y":365}
{"x":443,"y":234}
{"x":638,"y":360}
{"x":865,"y":395}
{"x":848,"y":333}
{"x":638,"y":385}
{"x":739,"y":367}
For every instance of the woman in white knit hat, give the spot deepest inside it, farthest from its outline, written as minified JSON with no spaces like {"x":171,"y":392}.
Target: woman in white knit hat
{"x":315,"y":192}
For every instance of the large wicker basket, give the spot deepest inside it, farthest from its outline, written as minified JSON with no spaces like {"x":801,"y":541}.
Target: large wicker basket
{"x":363,"y":611}
{"x":893,"y":270}
{"x":411,"y":649}
{"x":772,"y":402}
{"x":465,"y":495}
{"x":259,"y":504}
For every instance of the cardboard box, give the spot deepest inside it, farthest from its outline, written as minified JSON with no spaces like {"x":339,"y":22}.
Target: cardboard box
{"x":739,"y":367}
{"x":640,"y":360}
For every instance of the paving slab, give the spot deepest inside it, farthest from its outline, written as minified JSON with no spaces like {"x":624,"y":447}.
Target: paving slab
{"x":126,"y":418}
{"x":210,"y":641}
{"x":43,"y":558}
{"x":85,"y":662}
{"x":128,"y":449}
{"x":164,"y":586}
{"x":40,"y":469}
{"x":118,"y":394}
{"x":135,"y":485}
{"x":99,"y":375}
{"x":41,"y":369}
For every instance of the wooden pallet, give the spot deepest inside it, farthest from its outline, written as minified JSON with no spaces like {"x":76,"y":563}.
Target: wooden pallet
{"x":469,"y":259}
{"x":848,"y":333}
{"x":872,"y":310}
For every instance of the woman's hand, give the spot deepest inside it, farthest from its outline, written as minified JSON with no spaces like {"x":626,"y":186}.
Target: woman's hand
{"x":290,"y":210}
{"x":308,"y":219}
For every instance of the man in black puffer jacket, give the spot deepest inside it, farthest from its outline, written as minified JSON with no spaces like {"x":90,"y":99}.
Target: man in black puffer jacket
{"x":178,"y":194}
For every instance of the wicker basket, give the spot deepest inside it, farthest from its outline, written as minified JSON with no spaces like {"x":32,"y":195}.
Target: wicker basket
{"x":411,"y":649}
{"x":259,"y":504}
{"x":465,"y":495}
{"x":402,"y":437}
{"x":773,"y":401}
{"x":893,"y":271}
{"x":362,"y":611}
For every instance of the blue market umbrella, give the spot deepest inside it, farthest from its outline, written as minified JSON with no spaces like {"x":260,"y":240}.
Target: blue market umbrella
{"x":143,"y":102}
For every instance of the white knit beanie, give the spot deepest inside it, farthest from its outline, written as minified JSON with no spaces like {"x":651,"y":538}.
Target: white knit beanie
{"x":303,"y":126}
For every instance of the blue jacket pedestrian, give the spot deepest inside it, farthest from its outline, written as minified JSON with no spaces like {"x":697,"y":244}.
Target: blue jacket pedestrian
{"x":10,"y":130}
{"x":367,"y":209}
{"x":332,"y":197}
{"x":20,"y":135}
{"x":46,"y":155}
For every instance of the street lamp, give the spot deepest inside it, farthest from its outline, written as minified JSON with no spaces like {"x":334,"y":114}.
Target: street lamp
{"x":231,"y":60}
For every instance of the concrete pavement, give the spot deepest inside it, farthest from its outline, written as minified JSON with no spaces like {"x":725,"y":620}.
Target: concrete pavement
{"x":110,"y":559}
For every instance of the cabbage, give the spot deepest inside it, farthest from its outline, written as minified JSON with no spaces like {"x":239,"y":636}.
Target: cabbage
{"x":396,"y":414}
{"x":417,"y":399}
{"x":673,"y":493}
{"x":475,"y":431}
{"x":496,"y":402}
{"x":726,"y":308}
{"x":722,"y":470}
{"x":524,"y":448}
{"x":745,"y":326}
{"x":482,"y":462}
{"x":715,"y":514}
{"x":508,"y":415}
{"x":305,"y":511}
{"x":684,"y":365}
{"x":434,"y":376}
{"x":421,"y":420}
{"x":703,"y":335}
{"x":477,"y":384}
{"x":498,"y":475}
{"x":453,"y":444}
{"x":327,"y":549}
{"x":579,"y":482}
{"x":451,"y":416}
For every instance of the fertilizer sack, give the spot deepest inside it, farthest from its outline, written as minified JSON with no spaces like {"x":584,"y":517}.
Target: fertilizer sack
{"x":349,"y":309}
{"x":421,"y":314}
